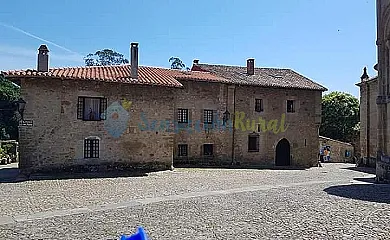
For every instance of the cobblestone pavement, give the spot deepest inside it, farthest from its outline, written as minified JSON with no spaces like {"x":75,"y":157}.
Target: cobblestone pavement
{"x":333,"y":202}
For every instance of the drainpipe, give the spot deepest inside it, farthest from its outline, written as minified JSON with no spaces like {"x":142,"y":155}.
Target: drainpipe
{"x":368,"y":123}
{"x":233,"y":123}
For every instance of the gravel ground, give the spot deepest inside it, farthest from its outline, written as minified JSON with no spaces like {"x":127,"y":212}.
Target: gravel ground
{"x":333,"y":202}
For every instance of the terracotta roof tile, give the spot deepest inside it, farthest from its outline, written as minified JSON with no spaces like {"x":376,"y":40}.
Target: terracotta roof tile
{"x":121,"y":74}
{"x":267,"y":77}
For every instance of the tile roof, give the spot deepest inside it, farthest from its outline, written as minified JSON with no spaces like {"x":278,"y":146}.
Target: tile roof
{"x":266,"y":77}
{"x":120,"y":74}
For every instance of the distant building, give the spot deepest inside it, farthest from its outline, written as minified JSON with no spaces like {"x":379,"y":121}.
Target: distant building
{"x":340,"y":152}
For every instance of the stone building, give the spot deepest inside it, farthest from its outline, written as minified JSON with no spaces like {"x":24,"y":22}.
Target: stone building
{"x":368,"y":119}
{"x":383,"y":98}
{"x":135,"y":116}
{"x":340,"y":152}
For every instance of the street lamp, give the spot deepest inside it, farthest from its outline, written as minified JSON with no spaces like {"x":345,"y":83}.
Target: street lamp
{"x":21,"y":105}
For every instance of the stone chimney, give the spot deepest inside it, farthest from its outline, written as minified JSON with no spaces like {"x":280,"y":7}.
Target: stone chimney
{"x":365,"y":75}
{"x":250,"y":66}
{"x":196,"y":61}
{"x":43,"y":59}
{"x":134,"y":60}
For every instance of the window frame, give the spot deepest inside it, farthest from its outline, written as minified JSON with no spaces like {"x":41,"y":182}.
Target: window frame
{"x":259,"y":105}
{"x":212,"y":150}
{"x":208,"y":116}
{"x":81,"y":108}
{"x":182,"y":118}
{"x":180,"y":152}
{"x":257,"y":139}
{"x":293,"y":106}
{"x":91,"y":148}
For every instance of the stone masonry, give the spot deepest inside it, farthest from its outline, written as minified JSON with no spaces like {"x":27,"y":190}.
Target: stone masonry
{"x":56,"y":138}
{"x":147,"y":103}
{"x":368,"y":119}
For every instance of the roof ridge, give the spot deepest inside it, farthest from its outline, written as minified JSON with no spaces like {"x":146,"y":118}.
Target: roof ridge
{"x":240,"y":66}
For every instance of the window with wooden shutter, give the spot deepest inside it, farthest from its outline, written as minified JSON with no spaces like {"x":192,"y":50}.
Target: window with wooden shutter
{"x":80,"y":108}
{"x":91,"y":148}
{"x":259,"y":105}
{"x":91,"y":108}
{"x":103,"y":108}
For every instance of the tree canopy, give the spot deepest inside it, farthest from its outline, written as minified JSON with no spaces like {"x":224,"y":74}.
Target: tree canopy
{"x":105,"y":57}
{"x":340,"y":116}
{"x":9,"y":93}
{"x":177,"y":63}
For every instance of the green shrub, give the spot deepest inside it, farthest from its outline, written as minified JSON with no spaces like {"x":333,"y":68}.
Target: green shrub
{"x":9,"y":148}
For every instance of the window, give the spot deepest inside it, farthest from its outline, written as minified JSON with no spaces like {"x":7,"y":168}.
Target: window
{"x":347,"y":153}
{"x":91,"y":148}
{"x":183,"y":150}
{"x":208,"y":150}
{"x":259,"y":105}
{"x":290,"y":106}
{"x":253,"y":143}
{"x":208,"y":116}
{"x":91,"y":109}
{"x":182,"y":115}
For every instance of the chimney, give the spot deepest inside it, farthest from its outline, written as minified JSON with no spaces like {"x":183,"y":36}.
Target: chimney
{"x":134,"y":60}
{"x":43,"y":59}
{"x":250,"y":66}
{"x":196,"y":61}
{"x":365,"y":75}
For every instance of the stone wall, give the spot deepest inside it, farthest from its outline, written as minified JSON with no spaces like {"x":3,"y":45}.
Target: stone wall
{"x":338,"y":150}
{"x":56,"y":139}
{"x":301,"y":126}
{"x":383,"y":99}
{"x":196,"y":97}
{"x":368,"y":120}
{"x":152,"y":134}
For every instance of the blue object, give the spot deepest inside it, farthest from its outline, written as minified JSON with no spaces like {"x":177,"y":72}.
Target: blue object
{"x":140,"y":235}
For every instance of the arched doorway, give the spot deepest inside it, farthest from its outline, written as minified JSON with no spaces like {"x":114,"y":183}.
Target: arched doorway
{"x":282,"y":157}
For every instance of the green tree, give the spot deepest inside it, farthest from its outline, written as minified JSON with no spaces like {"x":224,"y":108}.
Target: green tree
{"x":9,"y":93}
{"x":340,"y":116}
{"x":105,"y":57}
{"x":177,"y":63}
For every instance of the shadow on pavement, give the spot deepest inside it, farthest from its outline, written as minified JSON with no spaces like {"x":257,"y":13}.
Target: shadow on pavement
{"x":8,"y":174}
{"x":267,"y":167}
{"x":362,"y":169}
{"x":13,"y":175}
{"x":379,"y":193}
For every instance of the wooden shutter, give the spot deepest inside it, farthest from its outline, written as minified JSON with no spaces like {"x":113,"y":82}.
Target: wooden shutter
{"x":103,"y":107}
{"x":80,"y":108}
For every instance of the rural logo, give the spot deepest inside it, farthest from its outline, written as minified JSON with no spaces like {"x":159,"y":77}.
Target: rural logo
{"x":117,"y":117}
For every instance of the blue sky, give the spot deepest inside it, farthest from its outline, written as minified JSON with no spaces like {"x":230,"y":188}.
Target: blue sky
{"x":328,"y":41}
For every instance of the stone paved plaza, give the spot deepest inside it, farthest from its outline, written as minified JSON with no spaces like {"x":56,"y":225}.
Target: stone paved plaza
{"x":337,"y":201}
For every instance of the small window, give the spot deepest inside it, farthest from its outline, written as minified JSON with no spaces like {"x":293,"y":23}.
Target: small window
{"x":259,"y":105}
{"x":183,"y":150}
{"x":91,"y":148}
{"x":208,"y":150}
{"x":253,"y":143}
{"x":208,"y":116}
{"x":347,"y":153}
{"x":290,"y":106}
{"x":182,"y":115}
{"x":91,"y":109}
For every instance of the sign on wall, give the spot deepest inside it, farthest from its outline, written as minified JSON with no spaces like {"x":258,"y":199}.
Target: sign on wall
{"x":26,"y":123}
